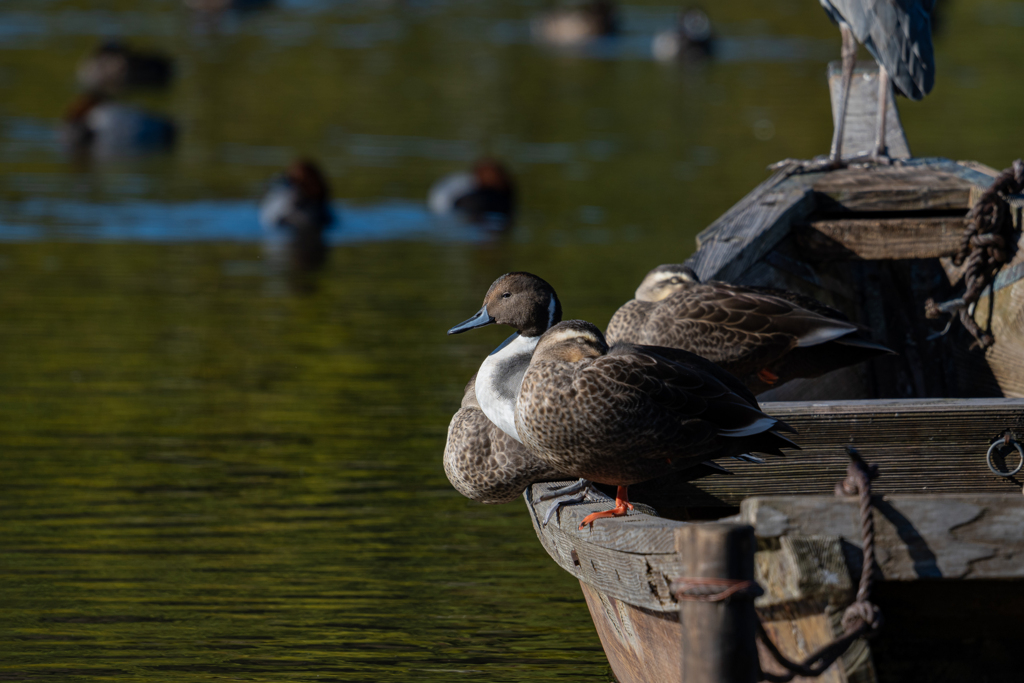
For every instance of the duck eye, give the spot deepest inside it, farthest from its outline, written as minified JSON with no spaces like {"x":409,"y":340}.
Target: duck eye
{"x":506,"y":295}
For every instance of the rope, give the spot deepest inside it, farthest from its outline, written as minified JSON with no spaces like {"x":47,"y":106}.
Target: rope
{"x":862,"y":618}
{"x":987,"y":244}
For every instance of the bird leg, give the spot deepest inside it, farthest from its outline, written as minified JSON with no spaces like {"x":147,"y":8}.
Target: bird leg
{"x":879,"y":154}
{"x":834,"y":159}
{"x":849,"y":53}
{"x":622,"y":505}
{"x":580,"y":488}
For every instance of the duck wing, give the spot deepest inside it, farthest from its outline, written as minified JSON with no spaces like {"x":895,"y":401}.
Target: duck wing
{"x":485,"y":464}
{"x":627,"y":322}
{"x":676,"y":402}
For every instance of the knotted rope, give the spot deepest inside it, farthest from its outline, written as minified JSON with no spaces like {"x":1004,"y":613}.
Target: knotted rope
{"x":987,"y":244}
{"x":862,"y":618}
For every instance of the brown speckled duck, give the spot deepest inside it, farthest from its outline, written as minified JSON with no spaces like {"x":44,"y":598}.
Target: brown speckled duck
{"x":484,"y":463}
{"x":765,"y":337}
{"x":629,"y":413}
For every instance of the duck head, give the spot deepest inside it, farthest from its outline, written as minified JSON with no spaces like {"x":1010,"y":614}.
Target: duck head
{"x":570,"y":342}
{"x":491,"y":174}
{"x":666,"y":280}
{"x":520,"y":300}
{"x":309,"y":180}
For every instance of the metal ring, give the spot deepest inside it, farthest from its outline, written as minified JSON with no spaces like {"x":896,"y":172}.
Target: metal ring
{"x":992,"y":466}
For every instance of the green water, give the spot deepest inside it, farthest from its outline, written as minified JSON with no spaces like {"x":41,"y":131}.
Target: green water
{"x":207,"y":474}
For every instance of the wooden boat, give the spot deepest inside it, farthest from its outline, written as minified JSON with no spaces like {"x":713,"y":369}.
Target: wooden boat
{"x":876,"y":243}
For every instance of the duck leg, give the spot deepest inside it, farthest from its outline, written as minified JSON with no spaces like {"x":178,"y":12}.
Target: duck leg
{"x":622,"y":505}
{"x":580,"y":488}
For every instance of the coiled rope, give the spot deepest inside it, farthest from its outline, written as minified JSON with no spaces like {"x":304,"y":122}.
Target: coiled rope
{"x":987,"y":244}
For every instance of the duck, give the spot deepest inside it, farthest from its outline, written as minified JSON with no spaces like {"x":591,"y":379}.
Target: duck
{"x":102,"y":128}
{"x":114,"y":67}
{"x":484,"y":463}
{"x":213,"y":7}
{"x":763,"y":336}
{"x":627,"y":413}
{"x":577,"y":25}
{"x":690,"y":39}
{"x":294,"y":214}
{"x":528,"y":304}
{"x":484,"y":195}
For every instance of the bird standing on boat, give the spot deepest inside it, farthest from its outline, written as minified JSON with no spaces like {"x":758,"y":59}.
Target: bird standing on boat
{"x":294,"y":213}
{"x":114,"y":67}
{"x":765,"y":337}
{"x":629,"y":413}
{"x":577,"y":25}
{"x":898,"y":35}
{"x":485,"y":195}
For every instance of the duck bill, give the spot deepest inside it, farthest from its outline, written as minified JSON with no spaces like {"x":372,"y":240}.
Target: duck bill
{"x":479,"y":320}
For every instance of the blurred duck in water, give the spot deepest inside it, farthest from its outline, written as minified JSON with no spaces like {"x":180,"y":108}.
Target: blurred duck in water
{"x":577,"y":25}
{"x":212,"y":7}
{"x":294,"y":214}
{"x":99,"y":128}
{"x":691,"y":39}
{"x":114,"y":67}
{"x":485,"y":195}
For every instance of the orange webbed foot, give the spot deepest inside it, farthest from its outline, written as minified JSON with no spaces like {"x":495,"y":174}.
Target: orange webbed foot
{"x":622,"y":506}
{"x":767,"y":376}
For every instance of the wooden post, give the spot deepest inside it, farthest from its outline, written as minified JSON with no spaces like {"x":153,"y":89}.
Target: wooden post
{"x":862,"y":112}
{"x":718,"y":637}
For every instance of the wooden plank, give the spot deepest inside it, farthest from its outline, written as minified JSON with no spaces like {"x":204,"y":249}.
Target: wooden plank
{"x":916,"y":537}
{"x":922,"y":445}
{"x":641,"y":645}
{"x":892,"y":189}
{"x":630,"y":559}
{"x":862,"y":112}
{"x":1005,"y":313}
{"x":717,"y":638}
{"x":880,"y":238}
{"x":750,"y":229}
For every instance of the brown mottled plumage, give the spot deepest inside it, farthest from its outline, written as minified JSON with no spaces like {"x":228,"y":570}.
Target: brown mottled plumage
{"x":618,"y":416}
{"x":765,"y":337}
{"x":486,"y":464}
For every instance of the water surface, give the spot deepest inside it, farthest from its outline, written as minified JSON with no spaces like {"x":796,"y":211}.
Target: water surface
{"x":209,"y":472}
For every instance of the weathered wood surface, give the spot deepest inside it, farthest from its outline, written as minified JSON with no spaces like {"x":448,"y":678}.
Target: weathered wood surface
{"x":642,"y":646}
{"x":750,"y":230}
{"x":916,"y":536}
{"x":922,"y":445}
{"x":717,"y":638}
{"x":862,"y":112}
{"x":910,"y":187}
{"x":880,"y":238}
{"x":630,"y":559}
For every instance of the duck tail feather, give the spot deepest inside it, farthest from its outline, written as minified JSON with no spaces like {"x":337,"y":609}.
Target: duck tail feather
{"x":860,"y":343}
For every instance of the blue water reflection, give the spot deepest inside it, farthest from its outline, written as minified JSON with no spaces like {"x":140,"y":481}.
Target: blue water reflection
{"x":216,"y":221}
